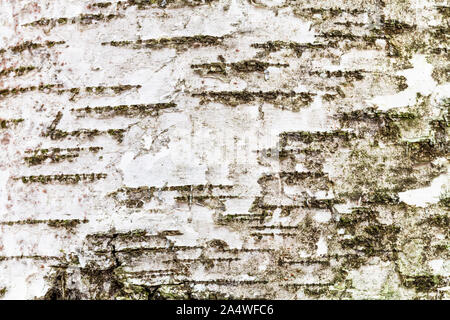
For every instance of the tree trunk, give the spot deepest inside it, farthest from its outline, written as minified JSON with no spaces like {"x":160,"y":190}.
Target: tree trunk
{"x":224,"y":149}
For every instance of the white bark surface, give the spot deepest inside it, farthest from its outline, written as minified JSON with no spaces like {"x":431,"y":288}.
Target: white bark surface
{"x":224,"y":149}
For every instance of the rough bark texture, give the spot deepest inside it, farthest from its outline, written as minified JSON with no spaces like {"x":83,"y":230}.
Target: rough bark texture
{"x":224,"y":149}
